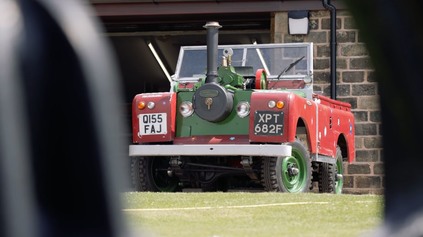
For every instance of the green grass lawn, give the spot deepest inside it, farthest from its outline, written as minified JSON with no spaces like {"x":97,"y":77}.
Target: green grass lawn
{"x":252,"y":214}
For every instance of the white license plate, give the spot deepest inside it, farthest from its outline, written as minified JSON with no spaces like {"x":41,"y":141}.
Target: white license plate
{"x":152,"y":124}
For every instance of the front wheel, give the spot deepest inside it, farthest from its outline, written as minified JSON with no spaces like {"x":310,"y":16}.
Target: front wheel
{"x":288,"y":174}
{"x":152,"y":175}
{"x":135,"y":174}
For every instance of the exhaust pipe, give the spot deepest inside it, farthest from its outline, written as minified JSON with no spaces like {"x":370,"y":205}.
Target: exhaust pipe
{"x":212,"y":43}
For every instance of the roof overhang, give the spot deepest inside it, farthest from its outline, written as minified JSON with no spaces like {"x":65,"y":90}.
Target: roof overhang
{"x":120,"y":8}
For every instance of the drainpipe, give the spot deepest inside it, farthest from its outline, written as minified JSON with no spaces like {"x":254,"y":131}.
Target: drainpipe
{"x":332,"y":9}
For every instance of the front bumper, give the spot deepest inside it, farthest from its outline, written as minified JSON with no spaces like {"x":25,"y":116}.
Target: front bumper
{"x":210,"y":150}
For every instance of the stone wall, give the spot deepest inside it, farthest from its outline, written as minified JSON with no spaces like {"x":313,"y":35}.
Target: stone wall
{"x":355,"y":85}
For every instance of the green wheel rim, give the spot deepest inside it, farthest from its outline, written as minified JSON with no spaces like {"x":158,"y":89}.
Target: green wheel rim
{"x":294,"y":183}
{"x":339,"y":183}
{"x":263,"y":84}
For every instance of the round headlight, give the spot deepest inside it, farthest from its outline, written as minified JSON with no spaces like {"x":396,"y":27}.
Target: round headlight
{"x":186,"y":109}
{"x":151,"y":105}
{"x":243,"y":109}
{"x":271,"y":104}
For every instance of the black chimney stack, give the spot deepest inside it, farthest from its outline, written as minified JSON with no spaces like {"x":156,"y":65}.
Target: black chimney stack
{"x":212,"y":43}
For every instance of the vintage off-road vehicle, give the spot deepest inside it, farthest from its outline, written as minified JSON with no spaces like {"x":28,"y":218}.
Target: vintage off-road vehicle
{"x":254,"y":119}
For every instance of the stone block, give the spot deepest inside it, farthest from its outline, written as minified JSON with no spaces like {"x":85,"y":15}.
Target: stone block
{"x":293,"y":38}
{"x":353,"y":76}
{"x":351,"y":100}
{"x":364,"y":89}
{"x":365,"y":129}
{"x":319,"y":14}
{"x":358,"y":143}
{"x":341,"y":63}
{"x":322,"y":51}
{"x":368,"y":102}
{"x":359,"y":169}
{"x":366,"y":155}
{"x":346,"y":36}
{"x":321,"y":63}
{"x":349,"y":23}
{"x":378,"y":168}
{"x":343,"y":90}
{"x":314,"y":24}
{"x":373,"y":142}
{"x":360,"y":63}
{"x":361,"y":116}
{"x":326,"y":23}
{"x":317,"y":37}
{"x":321,"y":77}
{"x":373,"y":182}
{"x":358,"y":49}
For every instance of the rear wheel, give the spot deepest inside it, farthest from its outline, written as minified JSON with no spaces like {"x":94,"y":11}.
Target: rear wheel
{"x":288,"y":174}
{"x":331,"y":175}
{"x":153,"y":176}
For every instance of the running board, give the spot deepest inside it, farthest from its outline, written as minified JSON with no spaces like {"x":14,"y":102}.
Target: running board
{"x":323,"y":159}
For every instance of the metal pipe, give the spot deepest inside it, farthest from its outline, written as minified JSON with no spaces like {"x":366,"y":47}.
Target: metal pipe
{"x":327,"y":4}
{"x":212,"y":43}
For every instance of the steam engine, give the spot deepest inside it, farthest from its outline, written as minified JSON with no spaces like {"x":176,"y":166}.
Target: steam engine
{"x":252,"y":119}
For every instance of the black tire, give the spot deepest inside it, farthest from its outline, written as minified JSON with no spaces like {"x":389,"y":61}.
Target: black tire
{"x":330,"y":175}
{"x":152,"y":175}
{"x":135,"y":174}
{"x":288,"y":174}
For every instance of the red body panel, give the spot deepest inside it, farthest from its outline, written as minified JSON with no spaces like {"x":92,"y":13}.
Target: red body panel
{"x":325,"y":121}
{"x":164,"y":103}
{"x":338,"y":121}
